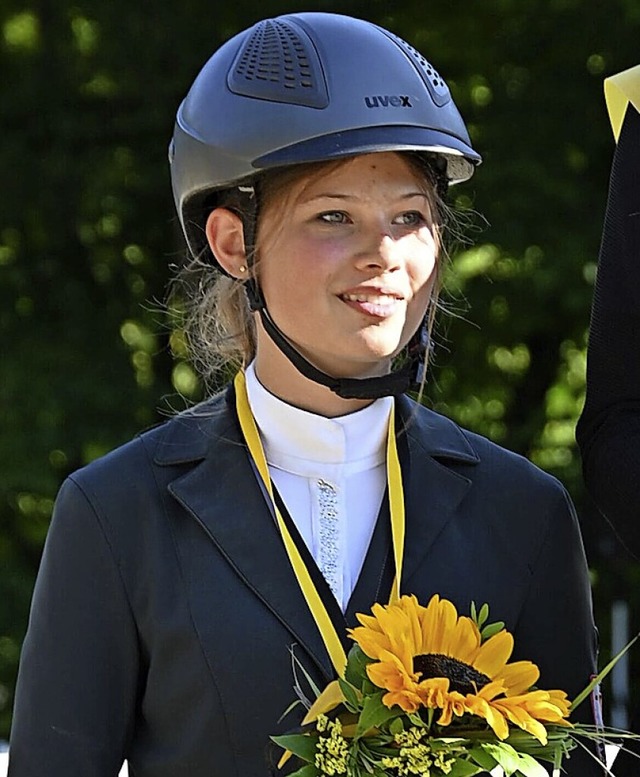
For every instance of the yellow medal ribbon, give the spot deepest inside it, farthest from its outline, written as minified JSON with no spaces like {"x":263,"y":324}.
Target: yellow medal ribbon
{"x":620,"y":90}
{"x":309,"y":591}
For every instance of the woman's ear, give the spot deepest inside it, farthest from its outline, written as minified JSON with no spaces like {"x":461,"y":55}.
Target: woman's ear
{"x":226,"y":239}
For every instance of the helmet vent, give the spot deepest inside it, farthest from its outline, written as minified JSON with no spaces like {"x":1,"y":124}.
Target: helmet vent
{"x":278,"y":62}
{"x":435,"y":83}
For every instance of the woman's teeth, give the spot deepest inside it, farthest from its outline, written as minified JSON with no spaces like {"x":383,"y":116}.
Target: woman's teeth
{"x":372,"y":299}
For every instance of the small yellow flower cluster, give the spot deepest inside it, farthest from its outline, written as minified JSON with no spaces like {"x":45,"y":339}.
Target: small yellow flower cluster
{"x":332,"y":750}
{"x":416,"y":757}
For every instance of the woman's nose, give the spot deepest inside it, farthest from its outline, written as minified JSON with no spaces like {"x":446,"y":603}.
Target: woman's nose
{"x":380,"y":251}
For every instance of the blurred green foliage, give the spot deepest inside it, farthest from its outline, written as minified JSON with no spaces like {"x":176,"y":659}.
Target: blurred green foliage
{"x":87,"y":232}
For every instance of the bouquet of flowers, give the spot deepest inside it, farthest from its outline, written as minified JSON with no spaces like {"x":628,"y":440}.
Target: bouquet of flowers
{"x":429,"y":692}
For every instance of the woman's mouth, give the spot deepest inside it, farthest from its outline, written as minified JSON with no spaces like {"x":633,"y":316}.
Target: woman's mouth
{"x":377,"y":304}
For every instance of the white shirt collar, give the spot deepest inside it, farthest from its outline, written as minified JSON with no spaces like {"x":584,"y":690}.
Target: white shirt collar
{"x":298,"y":441}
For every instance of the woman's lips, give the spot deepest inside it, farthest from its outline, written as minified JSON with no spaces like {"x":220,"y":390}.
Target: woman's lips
{"x":379,"y":304}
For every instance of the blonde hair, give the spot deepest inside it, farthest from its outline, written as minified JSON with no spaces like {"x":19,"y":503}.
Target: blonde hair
{"x":214,"y":312}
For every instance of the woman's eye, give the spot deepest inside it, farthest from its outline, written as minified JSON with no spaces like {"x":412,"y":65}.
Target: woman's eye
{"x":334,"y":217}
{"x":412,"y":218}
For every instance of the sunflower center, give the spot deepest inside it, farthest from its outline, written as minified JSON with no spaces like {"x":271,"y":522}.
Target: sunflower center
{"x":462,"y":677}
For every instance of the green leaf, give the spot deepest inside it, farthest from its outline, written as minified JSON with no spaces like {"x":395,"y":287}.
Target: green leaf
{"x":504,"y":755}
{"x":308,"y":770}
{"x":474,"y":612}
{"x":302,"y":745}
{"x":491,"y":629}
{"x":482,"y":758}
{"x":368,"y":687}
{"x":601,"y":675}
{"x":466,"y":769}
{"x":291,"y":707}
{"x":529,"y":767}
{"x":374,"y":713}
{"x":483,"y":615}
{"x":296,"y":665}
{"x":416,"y":720}
{"x":356,"y":670}
{"x":396,"y":726}
{"x":350,"y":694}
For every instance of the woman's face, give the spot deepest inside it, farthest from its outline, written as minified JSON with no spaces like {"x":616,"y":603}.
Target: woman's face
{"x":348,"y":263}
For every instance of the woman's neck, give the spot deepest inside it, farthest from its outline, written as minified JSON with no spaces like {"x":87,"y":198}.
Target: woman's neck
{"x":276,"y":373}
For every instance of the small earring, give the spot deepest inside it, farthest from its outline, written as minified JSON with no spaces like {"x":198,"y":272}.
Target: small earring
{"x":242,"y":268}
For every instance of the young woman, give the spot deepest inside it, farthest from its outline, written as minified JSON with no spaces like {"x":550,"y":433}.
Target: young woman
{"x":309,"y":163}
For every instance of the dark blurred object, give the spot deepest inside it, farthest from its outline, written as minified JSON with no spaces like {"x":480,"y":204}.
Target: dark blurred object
{"x":609,"y":430}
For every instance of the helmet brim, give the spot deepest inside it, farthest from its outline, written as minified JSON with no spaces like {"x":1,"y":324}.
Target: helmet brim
{"x":368,"y":140}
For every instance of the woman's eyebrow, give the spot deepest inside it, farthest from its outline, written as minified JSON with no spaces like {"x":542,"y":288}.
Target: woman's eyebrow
{"x":342,"y":197}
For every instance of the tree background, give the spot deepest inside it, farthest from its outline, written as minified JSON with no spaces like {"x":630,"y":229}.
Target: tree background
{"x":87,"y":234}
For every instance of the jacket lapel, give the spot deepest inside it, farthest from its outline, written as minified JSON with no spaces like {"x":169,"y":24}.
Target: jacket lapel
{"x":224,"y":495}
{"x":376,"y":577}
{"x":431,"y":449}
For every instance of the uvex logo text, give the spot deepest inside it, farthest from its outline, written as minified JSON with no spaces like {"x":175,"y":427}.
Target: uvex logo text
{"x":386,"y":100}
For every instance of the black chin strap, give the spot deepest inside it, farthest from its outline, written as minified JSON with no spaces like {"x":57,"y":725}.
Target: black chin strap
{"x":396,"y":382}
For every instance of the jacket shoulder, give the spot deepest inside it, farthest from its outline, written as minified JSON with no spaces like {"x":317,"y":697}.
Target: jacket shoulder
{"x":475,"y":454}
{"x":183,"y":439}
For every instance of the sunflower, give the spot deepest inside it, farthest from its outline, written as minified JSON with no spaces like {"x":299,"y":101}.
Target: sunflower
{"x":431,"y":657}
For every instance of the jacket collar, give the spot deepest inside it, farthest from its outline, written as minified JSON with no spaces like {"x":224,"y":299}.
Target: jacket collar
{"x":190,"y":436}
{"x":240,"y":522}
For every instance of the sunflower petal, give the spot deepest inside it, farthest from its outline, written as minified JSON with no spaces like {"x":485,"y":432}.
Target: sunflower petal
{"x":494,"y":654}
{"x":464,"y":642}
{"x":389,"y":675}
{"x":407,"y":700}
{"x":447,"y":619}
{"x":522,"y":719}
{"x":518,"y":677}
{"x":371,"y":642}
{"x":433,"y":692}
{"x":476,"y":705}
{"x":491,"y":690}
